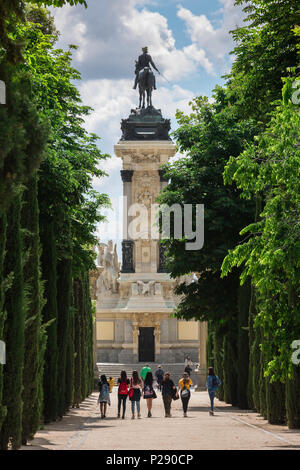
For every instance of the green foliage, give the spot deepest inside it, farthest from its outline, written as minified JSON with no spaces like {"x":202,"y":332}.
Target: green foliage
{"x":3,"y":227}
{"x":23,"y":132}
{"x":49,"y":313}
{"x":243,"y":345}
{"x":265,"y":47}
{"x":11,"y":431}
{"x":34,"y":337}
{"x":293,"y":399}
{"x":271,"y":253}
{"x":12,"y":14}
{"x":276,"y":409}
{"x":43,"y":140}
{"x":209,"y":135}
{"x":65,"y":186}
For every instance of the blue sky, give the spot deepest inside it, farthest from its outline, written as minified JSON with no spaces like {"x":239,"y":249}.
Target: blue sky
{"x":189,"y":42}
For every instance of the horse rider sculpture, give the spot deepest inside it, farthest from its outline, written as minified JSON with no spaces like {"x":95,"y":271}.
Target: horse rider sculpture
{"x":144,"y":60}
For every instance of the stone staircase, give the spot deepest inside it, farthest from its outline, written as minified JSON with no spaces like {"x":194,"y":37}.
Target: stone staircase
{"x":114,"y":369}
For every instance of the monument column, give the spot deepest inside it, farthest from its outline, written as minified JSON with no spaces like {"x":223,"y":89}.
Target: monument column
{"x":126,"y":176}
{"x":127,"y":244}
{"x":140,"y":301}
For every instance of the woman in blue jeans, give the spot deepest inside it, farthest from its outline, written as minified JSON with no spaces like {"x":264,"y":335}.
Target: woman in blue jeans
{"x":212,"y":384}
{"x":136,"y":384}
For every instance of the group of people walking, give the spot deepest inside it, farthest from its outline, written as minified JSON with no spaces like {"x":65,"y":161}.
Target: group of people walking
{"x":143,"y":385}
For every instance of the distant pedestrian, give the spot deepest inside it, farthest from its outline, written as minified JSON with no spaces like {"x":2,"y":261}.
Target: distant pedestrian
{"x":149,"y":392}
{"x":111,"y":382}
{"x":212,"y":384}
{"x":103,"y":395}
{"x":144,"y":371}
{"x":185,"y":391}
{"x":123,"y":383}
{"x":188,"y":365}
{"x":136,"y":386}
{"x":159,"y":375}
{"x":168,"y":392}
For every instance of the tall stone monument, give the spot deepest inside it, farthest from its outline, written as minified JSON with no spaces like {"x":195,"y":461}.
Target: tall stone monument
{"x":135,"y":305}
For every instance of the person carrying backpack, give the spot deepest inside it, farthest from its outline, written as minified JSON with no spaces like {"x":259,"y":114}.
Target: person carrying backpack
{"x":168,"y":393}
{"x":149,"y":392}
{"x":159,"y":375}
{"x":136,"y":385}
{"x":123,"y":383}
{"x":103,"y":395}
{"x":212,"y":384}
{"x":185,"y":393}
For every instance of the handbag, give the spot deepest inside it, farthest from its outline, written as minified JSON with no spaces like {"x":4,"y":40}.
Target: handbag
{"x":130,"y":394}
{"x":185,"y":392}
{"x":175,"y":395}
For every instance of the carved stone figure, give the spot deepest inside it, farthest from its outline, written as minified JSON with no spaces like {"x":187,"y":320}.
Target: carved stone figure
{"x":146,"y":288}
{"x":108,"y":261}
{"x":145,"y":197}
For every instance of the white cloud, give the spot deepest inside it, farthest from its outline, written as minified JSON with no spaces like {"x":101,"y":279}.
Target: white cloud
{"x":110,"y":36}
{"x":112,"y":101}
{"x":217,"y":42}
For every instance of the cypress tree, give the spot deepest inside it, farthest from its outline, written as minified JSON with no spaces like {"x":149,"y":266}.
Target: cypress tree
{"x":49,"y":313}
{"x":84,"y":339}
{"x":250,"y":389}
{"x":70,"y":360}
{"x":11,"y":431}
{"x":219,"y":358}
{"x":3,"y":225}
{"x":276,"y":410}
{"x":210,"y":345}
{"x":64,"y":294}
{"x":243,"y":345}
{"x":255,"y":354}
{"x":293,"y":399}
{"x":78,"y":344}
{"x":33,"y":359}
{"x":90,"y":335}
{"x":262,"y":382}
{"x":229,"y":366}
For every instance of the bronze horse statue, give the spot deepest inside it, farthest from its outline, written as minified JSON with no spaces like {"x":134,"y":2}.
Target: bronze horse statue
{"x":146,"y":83}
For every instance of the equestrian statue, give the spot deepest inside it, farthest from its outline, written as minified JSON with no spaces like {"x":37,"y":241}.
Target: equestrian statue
{"x":144,"y":77}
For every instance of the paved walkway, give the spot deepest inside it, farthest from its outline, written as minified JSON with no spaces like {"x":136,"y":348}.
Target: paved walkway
{"x":230,"y":428}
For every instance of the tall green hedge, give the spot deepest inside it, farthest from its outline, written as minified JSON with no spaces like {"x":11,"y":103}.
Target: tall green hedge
{"x":3,"y":227}
{"x":34,"y":337}
{"x":64,"y":298}
{"x":49,"y":316}
{"x":14,"y":305}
